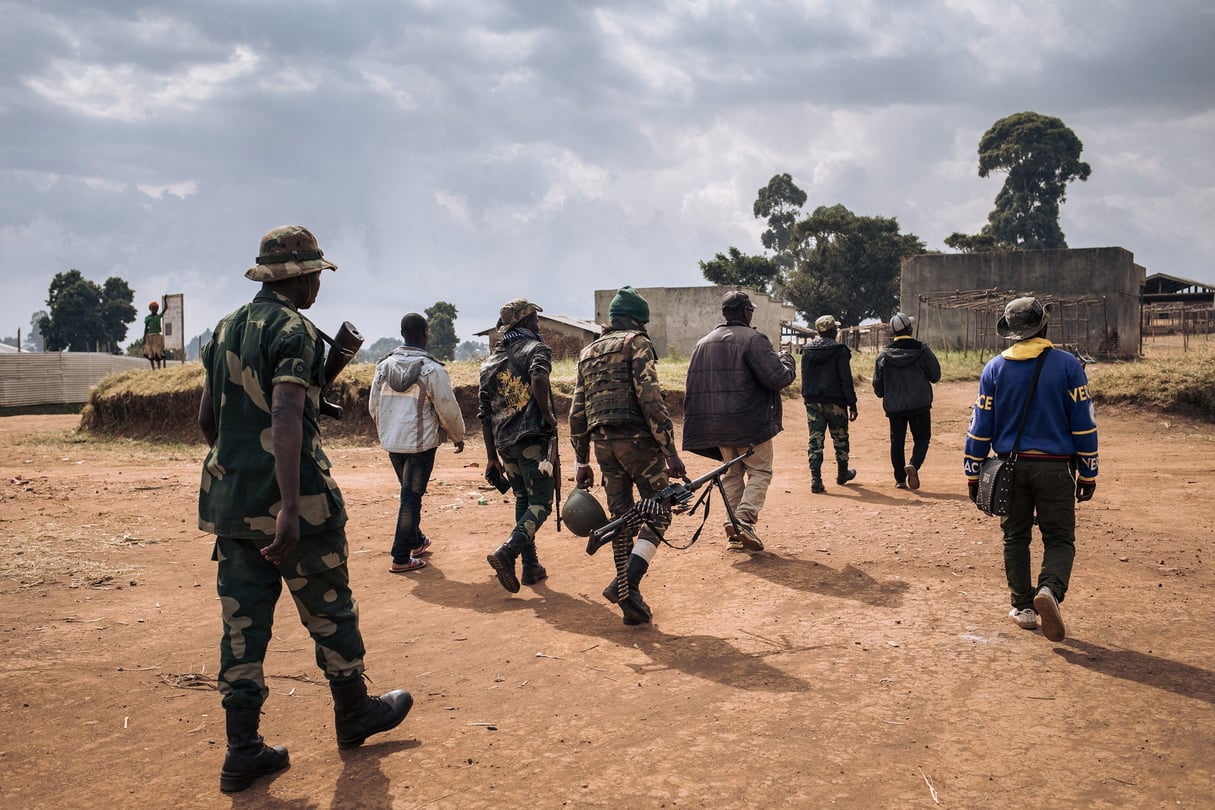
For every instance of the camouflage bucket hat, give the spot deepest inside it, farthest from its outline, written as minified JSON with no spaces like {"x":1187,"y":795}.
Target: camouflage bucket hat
{"x":826,"y":324}
{"x":287,"y":252}
{"x":1023,"y":318}
{"x":514,"y":311}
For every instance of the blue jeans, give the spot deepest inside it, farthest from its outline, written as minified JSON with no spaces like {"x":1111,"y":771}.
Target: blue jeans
{"x":413,"y":471}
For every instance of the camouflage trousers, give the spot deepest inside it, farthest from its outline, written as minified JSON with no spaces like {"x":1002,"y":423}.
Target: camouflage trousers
{"x":628,"y":463}
{"x":249,"y":587}
{"x":821,"y":418}
{"x":533,"y":491}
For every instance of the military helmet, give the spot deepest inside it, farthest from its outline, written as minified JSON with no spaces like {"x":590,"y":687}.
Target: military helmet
{"x":582,"y":513}
{"x":287,"y":252}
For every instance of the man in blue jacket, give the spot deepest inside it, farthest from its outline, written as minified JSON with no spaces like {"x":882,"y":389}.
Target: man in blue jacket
{"x":903,"y":376}
{"x":1059,"y":441}
{"x":732,"y":401}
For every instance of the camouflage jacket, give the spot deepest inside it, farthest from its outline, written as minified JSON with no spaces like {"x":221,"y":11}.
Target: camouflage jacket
{"x":263,"y":344}
{"x":617,"y":395}
{"x":505,"y":394}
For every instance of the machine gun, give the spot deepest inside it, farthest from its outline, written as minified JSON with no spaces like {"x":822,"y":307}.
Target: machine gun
{"x":675,"y":498}
{"x":342,"y":349}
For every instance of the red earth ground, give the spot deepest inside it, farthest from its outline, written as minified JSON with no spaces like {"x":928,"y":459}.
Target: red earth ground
{"x":865,"y":659}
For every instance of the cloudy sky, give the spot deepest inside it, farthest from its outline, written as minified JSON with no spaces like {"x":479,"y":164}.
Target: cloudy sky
{"x":476,"y":151}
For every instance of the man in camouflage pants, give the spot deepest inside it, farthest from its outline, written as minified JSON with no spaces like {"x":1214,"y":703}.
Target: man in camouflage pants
{"x":830,"y":400}
{"x":618,"y":405}
{"x":278,"y":516}
{"x":518,"y":423}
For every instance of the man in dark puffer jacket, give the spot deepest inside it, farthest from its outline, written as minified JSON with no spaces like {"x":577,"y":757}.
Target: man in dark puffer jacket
{"x":732,"y":401}
{"x":903,"y":377}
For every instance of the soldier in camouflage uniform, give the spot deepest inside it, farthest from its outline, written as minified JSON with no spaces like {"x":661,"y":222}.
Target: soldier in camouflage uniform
{"x":618,"y":405}
{"x":519,"y":426}
{"x":278,"y":516}
{"x":830,"y":401}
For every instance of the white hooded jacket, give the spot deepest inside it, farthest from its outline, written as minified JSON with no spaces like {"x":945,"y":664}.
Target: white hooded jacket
{"x":412,"y":402}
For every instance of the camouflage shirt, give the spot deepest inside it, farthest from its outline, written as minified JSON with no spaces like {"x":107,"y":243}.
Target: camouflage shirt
{"x":505,"y":395}
{"x":260,"y":345}
{"x":617,"y":395}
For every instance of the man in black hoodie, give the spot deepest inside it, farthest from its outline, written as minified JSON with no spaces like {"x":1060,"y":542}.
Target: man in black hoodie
{"x":830,"y":400}
{"x":903,"y":377}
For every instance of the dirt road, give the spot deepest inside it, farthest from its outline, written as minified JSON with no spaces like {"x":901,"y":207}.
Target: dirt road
{"x":864,"y":660}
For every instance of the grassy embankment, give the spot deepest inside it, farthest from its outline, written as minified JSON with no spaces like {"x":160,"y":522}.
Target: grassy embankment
{"x":163,"y":405}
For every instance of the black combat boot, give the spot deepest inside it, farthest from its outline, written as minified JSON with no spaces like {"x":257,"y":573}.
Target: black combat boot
{"x":635,"y":610}
{"x":357,"y":715}
{"x":816,"y":481}
{"x":248,"y":755}
{"x":843,"y":474}
{"x":533,"y":571}
{"x":502,"y":560}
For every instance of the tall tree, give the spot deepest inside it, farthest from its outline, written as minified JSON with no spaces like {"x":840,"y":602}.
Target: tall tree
{"x":34,"y":342}
{"x":379,"y":350}
{"x":85,"y":317}
{"x":1040,"y":155}
{"x":442,"y":318}
{"x":739,"y":269}
{"x":848,"y":265}
{"x":779,"y":202}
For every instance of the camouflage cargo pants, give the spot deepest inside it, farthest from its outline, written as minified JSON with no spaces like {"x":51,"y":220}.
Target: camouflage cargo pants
{"x":533,"y":490}
{"x":248,"y":588}
{"x":625,"y":463}
{"x":821,"y":418}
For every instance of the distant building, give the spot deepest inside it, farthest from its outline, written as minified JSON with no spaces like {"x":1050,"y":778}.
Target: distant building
{"x":1094,"y":295}
{"x":680,"y":316}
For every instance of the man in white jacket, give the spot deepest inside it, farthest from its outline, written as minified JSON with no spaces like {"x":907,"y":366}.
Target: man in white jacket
{"x":414,"y":410}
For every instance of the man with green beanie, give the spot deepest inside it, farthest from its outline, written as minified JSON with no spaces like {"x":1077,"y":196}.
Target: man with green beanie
{"x":618,"y":406}
{"x":278,"y":515}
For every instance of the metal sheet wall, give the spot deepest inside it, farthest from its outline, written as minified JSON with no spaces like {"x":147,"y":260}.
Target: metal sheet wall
{"x":56,"y":378}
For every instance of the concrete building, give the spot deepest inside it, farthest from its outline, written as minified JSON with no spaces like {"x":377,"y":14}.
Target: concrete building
{"x":1094,"y":295}
{"x":680,"y":316}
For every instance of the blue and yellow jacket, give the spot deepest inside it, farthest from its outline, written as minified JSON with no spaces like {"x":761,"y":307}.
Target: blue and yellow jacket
{"x":1060,"y":422}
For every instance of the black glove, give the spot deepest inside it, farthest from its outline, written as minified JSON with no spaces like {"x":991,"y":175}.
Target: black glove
{"x":1084,"y":490}
{"x":973,"y":486}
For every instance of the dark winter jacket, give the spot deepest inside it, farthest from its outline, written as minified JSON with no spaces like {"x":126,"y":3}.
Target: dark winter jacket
{"x":732,"y":397}
{"x":827,"y":373}
{"x":903,"y":375}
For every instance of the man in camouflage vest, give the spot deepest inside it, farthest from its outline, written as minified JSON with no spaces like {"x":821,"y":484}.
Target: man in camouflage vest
{"x":618,"y":405}
{"x":278,"y":516}
{"x":519,"y":426}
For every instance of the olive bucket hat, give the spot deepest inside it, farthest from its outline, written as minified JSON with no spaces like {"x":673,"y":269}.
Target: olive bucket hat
{"x":288,"y":252}
{"x":1023,"y":318}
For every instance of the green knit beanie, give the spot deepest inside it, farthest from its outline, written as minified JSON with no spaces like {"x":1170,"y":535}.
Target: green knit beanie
{"x":628,"y":302}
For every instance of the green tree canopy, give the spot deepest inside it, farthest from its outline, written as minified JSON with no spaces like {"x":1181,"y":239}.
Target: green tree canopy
{"x":472,"y":350}
{"x":1040,"y":155}
{"x":739,"y":269}
{"x":848,"y":265}
{"x":779,"y":202}
{"x":84,"y":316}
{"x":379,"y":350}
{"x":442,"y":318}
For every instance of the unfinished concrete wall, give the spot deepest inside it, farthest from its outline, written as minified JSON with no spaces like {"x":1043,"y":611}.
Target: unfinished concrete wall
{"x":1097,"y":292}
{"x":680,"y":316}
